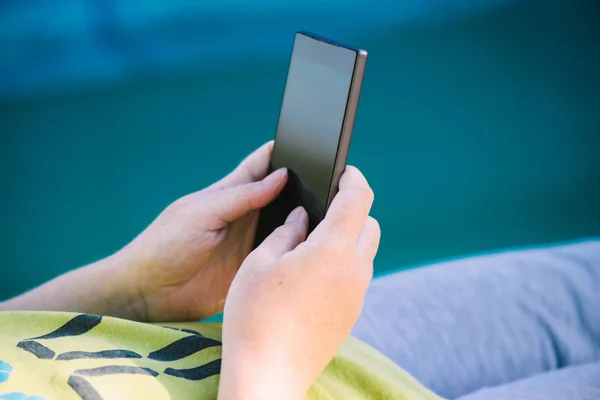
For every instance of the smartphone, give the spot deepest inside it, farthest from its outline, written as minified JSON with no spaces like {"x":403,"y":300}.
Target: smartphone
{"x":315,"y":125}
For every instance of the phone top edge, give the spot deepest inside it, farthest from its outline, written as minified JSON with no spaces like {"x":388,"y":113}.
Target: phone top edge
{"x":360,"y":52}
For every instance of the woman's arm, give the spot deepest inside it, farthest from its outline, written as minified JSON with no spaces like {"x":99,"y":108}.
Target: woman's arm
{"x":179,"y":268}
{"x":294,"y":301}
{"x":105,"y":287}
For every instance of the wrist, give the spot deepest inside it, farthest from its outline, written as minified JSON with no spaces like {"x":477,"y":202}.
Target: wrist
{"x":250,"y":386}
{"x":106,"y":287}
{"x":249,"y":375}
{"x":119,"y":290}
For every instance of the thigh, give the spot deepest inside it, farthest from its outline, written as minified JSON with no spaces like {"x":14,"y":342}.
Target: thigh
{"x":581,"y":382}
{"x":483,"y":321}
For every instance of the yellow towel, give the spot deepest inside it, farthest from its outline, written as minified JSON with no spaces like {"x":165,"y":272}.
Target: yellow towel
{"x":49,"y":355}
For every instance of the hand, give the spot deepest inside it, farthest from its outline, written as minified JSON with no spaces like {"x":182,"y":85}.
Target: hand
{"x":294,"y":302}
{"x":184,"y":262}
{"x":182,"y":265}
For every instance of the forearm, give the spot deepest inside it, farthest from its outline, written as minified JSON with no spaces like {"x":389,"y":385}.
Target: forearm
{"x":105,"y":288}
{"x":257,"y":386}
{"x":258,"y":376}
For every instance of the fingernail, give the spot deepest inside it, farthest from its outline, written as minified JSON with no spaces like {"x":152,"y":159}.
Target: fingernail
{"x":275,"y":176}
{"x":297,"y":215}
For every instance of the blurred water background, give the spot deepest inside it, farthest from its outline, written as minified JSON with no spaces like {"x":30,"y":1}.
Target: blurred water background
{"x":478,"y":128}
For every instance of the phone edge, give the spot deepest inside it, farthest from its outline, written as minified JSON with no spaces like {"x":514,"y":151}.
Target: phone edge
{"x":287,"y":75}
{"x":348,"y":124}
{"x":330,"y":41}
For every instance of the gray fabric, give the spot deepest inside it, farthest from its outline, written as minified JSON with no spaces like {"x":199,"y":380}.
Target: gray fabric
{"x":581,"y":382}
{"x":491,"y":320}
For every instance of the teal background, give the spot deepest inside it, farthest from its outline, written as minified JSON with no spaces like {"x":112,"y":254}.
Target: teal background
{"x":478,"y":127}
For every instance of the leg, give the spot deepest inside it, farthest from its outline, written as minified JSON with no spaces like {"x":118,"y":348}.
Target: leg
{"x":488,"y":320}
{"x":581,"y":382}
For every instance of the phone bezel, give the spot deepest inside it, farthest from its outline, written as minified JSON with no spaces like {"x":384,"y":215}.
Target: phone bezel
{"x":352,"y":101}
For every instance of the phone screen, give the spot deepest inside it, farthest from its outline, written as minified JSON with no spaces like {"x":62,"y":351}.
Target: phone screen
{"x":309,"y":128}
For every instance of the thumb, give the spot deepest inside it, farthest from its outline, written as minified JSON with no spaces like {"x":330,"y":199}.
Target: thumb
{"x":237,"y":201}
{"x":285,"y":238}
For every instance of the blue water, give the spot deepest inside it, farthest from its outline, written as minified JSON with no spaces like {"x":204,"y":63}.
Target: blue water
{"x":479,"y":130}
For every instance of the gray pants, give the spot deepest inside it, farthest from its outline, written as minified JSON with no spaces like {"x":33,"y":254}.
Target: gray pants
{"x":516,"y":325}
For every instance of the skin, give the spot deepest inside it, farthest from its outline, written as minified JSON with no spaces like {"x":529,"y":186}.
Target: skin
{"x":294,"y":301}
{"x":181,"y":266}
{"x":289,"y":304}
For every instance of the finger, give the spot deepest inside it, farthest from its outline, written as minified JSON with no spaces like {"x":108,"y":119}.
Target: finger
{"x":234,"y":202}
{"x":253,"y":168}
{"x":368,"y":239}
{"x":285,"y":238}
{"x":350,"y":207}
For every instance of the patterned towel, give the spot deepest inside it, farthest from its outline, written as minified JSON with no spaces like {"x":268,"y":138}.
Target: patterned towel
{"x":79,"y":356}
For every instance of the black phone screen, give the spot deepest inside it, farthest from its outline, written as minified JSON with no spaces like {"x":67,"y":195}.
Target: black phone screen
{"x":309,"y":128}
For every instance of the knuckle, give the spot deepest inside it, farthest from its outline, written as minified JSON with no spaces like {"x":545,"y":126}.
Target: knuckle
{"x":355,"y":176}
{"x":351,"y":170}
{"x":182,"y":201}
{"x":180,"y":205}
{"x":246,"y":190}
{"x":246,"y":194}
{"x":366,"y":196}
{"x":349,"y":211}
{"x":328,"y":248}
{"x":248,"y":171}
{"x":364,"y":275}
{"x":284,"y":231}
{"x":333,"y":244}
{"x":376,"y":227}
